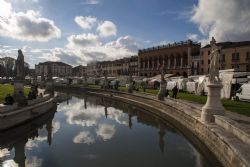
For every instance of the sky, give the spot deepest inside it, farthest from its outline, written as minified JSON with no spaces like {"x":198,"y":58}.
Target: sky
{"x":81,"y":31}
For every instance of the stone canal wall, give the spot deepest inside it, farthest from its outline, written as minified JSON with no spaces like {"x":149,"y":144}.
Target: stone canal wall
{"x":13,"y":116}
{"x":222,"y":138}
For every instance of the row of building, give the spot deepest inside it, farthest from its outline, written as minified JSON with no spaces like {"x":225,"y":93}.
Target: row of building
{"x":182,"y":59}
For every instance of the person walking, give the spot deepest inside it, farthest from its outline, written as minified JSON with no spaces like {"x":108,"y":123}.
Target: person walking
{"x":175,"y":91}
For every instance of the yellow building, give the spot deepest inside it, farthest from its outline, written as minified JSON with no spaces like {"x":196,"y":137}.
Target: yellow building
{"x":233,"y":55}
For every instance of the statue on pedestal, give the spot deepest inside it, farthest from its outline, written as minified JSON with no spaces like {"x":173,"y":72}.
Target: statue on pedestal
{"x":162,"y":90}
{"x":213,"y":105}
{"x":20,"y":66}
{"x":19,"y":81}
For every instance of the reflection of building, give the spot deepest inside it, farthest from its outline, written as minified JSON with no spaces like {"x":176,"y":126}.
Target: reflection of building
{"x":174,"y":58}
{"x":58,"y":69}
{"x":234,"y":55}
{"x":113,"y":68}
{"x":79,"y":71}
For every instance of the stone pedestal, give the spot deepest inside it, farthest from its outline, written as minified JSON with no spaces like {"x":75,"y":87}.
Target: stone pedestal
{"x":18,"y":94}
{"x":213,"y":105}
{"x":162,"y":91}
{"x":18,"y":87}
{"x":106,"y":84}
{"x":130,"y":87}
{"x":49,"y":88}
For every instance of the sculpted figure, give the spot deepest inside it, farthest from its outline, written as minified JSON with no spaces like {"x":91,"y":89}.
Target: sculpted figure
{"x":214,"y":63}
{"x":20,"y":66}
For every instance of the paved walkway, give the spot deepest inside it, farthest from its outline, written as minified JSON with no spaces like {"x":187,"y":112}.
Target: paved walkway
{"x":242,"y":120}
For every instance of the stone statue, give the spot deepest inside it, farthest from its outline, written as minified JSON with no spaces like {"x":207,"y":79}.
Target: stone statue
{"x":20,"y":66}
{"x":213,"y":105}
{"x":162,"y":75}
{"x":214,"y":63}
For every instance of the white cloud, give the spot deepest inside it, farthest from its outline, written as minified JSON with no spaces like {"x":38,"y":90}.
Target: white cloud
{"x":86,"y":22}
{"x":226,"y":20}
{"x":106,"y":131}
{"x":91,"y":2}
{"x":6,"y":9}
{"x":84,"y":137}
{"x":126,"y":42}
{"x":83,"y":40}
{"x":28,"y":26}
{"x":193,"y":37}
{"x":107,"y":29}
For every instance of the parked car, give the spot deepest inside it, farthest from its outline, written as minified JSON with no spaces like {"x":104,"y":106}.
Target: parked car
{"x":243,"y":94}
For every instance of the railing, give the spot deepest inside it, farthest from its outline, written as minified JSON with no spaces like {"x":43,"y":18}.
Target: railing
{"x":169,"y":46}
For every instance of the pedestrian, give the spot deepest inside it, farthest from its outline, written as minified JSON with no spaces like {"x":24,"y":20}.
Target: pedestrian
{"x":166,"y":93}
{"x":175,"y":91}
{"x":9,"y":100}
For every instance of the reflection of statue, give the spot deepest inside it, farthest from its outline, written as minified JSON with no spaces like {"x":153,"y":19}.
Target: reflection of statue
{"x":161,"y":138}
{"x":20,"y":152}
{"x":49,"y":128}
{"x":20,"y":66}
{"x":214,"y":63}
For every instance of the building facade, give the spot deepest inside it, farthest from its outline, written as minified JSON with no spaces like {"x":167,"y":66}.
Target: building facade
{"x":58,"y":69}
{"x":79,"y":71}
{"x":174,"y":58}
{"x":233,"y":55}
{"x":113,"y":68}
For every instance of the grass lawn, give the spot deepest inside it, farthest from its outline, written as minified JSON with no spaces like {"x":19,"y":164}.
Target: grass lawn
{"x":234,"y":106}
{"x":8,"y":89}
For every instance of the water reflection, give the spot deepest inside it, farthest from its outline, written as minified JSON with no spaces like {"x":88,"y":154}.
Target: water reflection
{"x":23,"y":137}
{"x":97,"y":132}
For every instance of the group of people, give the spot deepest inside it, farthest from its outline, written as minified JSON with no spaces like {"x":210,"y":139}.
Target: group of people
{"x":33,"y":93}
{"x":9,"y":100}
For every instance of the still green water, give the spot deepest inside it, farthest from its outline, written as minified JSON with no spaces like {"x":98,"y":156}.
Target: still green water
{"x":96,"y":132}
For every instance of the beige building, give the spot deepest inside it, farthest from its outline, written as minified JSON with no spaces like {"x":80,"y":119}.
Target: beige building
{"x":59,"y":69}
{"x":79,"y":71}
{"x":233,"y":55}
{"x":113,"y":68}
{"x":175,"y":58}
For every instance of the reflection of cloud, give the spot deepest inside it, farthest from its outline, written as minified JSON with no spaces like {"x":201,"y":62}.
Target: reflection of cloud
{"x":3,"y":153}
{"x":77,"y":116}
{"x":105,"y":131}
{"x":43,"y":134}
{"x":30,"y":161}
{"x":34,"y":161}
{"x":118,"y":116}
{"x":84,"y":137}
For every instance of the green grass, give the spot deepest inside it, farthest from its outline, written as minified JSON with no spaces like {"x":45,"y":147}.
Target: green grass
{"x":8,"y":89}
{"x":234,"y":106}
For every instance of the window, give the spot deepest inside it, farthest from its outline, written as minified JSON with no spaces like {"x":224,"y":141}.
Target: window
{"x":208,"y":61}
{"x":247,"y":56}
{"x":208,"y":52}
{"x":223,"y":58}
{"x":202,"y":62}
{"x":235,"y":56}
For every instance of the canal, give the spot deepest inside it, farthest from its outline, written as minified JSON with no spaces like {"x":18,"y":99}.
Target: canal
{"x":92,"y":131}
